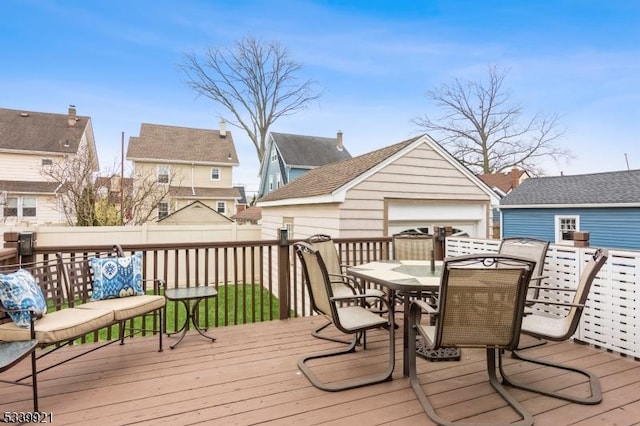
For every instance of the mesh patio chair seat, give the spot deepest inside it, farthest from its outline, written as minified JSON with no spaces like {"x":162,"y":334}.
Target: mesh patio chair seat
{"x":560,"y":328}
{"x":480,"y":305}
{"x":352,"y":319}
{"x":342,"y":284}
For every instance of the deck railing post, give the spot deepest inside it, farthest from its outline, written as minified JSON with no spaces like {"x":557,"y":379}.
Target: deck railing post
{"x":284,"y":283}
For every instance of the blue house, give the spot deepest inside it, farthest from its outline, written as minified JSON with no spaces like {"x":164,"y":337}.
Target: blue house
{"x":287,"y":157}
{"x":606,"y":205}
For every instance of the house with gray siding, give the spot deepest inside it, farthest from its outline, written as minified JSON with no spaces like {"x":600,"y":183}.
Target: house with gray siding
{"x":606,"y":205}
{"x":288,"y":156}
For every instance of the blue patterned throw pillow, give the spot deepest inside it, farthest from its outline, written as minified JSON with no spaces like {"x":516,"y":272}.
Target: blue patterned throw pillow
{"x":19,"y":290}
{"x":115,"y":277}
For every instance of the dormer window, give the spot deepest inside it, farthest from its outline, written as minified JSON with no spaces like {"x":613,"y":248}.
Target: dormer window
{"x":163,"y":173}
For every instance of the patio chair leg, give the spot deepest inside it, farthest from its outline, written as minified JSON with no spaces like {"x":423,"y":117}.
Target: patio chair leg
{"x":594,"y":382}
{"x":527,"y":419}
{"x":534,"y":344}
{"x":316,"y":333}
{"x":384,"y":377}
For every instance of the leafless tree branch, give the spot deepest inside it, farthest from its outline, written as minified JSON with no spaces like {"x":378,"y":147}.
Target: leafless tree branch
{"x":255,"y":81}
{"x":486,"y":133}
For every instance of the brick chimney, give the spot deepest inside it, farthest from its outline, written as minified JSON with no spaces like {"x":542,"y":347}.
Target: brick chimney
{"x":515,"y":177}
{"x":223,"y":128}
{"x":71,"y":120}
{"x":339,"y":145}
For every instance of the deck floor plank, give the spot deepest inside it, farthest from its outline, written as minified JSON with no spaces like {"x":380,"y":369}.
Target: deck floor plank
{"x":249,"y":375}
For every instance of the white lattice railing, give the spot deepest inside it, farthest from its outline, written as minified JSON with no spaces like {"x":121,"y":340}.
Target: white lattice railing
{"x":611,"y":319}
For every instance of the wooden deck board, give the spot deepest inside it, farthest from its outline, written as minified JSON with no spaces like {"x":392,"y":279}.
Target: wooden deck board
{"x":249,"y":375}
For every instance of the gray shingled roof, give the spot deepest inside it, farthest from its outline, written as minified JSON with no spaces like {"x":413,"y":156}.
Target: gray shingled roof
{"x":308,"y":151}
{"x":40,"y":131}
{"x":171,"y":143}
{"x":326,"y":179}
{"x":597,"y":188}
{"x":20,"y":186}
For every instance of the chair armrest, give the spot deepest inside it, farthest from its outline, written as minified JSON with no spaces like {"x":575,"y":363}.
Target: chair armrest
{"x":364,"y":297}
{"x":543,"y":287}
{"x":531,"y":302}
{"x":346,"y":280}
{"x":424,"y":306}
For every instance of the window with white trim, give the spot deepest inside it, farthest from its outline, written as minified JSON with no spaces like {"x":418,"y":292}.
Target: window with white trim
{"x":565,"y":226}
{"x":274,"y":154}
{"x":163,"y":209}
{"x":278,"y":180}
{"x":215,"y":173}
{"x":20,"y":207}
{"x":47,"y":162}
{"x":270,"y":182}
{"x":163,"y":173}
{"x":221,"y":207}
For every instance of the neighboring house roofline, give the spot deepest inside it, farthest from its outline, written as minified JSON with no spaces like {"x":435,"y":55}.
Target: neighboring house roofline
{"x":569,"y":206}
{"x":188,"y":162}
{"x":191,"y":205}
{"x":355,"y":171}
{"x":619,"y":188}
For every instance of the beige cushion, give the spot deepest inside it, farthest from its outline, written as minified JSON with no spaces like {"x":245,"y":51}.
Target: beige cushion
{"x":59,"y":326}
{"x":126,"y":307}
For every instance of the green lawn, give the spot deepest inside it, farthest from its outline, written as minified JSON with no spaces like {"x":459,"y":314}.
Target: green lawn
{"x":212,"y":312}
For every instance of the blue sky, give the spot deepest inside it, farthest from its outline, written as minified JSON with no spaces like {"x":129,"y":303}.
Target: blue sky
{"x":117,"y":61}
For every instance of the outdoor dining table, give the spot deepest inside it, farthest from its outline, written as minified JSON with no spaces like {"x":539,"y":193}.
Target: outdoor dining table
{"x":402,"y":277}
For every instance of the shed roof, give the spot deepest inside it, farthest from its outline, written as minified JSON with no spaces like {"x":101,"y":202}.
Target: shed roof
{"x":182,"y":144}
{"x":308,"y":151}
{"x":41,"y":131}
{"x":622,"y":187}
{"x":326,"y":179}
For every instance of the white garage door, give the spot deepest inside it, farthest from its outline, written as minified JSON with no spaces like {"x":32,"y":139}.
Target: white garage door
{"x":469,"y":218}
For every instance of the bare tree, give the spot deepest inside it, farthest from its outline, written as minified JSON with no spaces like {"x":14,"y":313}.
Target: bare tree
{"x":132,"y":200}
{"x":85,"y":201}
{"x":255,"y":81}
{"x":486,"y":133}
{"x":73,"y":175}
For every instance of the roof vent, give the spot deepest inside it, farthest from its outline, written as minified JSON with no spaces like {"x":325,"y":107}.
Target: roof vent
{"x":24,"y":114}
{"x":339,"y":144}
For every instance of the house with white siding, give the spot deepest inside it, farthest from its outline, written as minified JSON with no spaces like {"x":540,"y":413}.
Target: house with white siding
{"x":31,"y":142}
{"x":414,"y":183}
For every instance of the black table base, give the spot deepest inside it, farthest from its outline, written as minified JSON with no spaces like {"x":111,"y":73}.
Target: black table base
{"x":442,"y":354}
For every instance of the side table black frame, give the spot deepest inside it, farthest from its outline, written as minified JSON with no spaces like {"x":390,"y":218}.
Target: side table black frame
{"x":186,"y":295}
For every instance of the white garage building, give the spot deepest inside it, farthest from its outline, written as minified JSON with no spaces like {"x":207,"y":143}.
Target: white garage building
{"x":412,"y":184}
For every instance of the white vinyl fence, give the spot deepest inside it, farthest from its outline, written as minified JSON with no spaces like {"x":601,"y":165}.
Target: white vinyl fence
{"x":611,"y":319}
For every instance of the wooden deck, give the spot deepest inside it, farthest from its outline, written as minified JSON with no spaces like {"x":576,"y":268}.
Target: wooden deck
{"x":249,"y":376}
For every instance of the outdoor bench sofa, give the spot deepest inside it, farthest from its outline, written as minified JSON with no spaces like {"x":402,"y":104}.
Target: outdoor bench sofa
{"x":68,"y":284}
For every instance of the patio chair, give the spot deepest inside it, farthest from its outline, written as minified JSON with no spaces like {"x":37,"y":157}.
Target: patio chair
{"x":479,"y":306}
{"x":353,"y":319}
{"x":531,"y":248}
{"x":560,"y":328}
{"x":342,"y":284}
{"x":413,"y":246}
{"x":534,"y":249}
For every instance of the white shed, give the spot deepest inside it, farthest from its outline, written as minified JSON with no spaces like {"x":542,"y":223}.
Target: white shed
{"x":411,"y":184}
